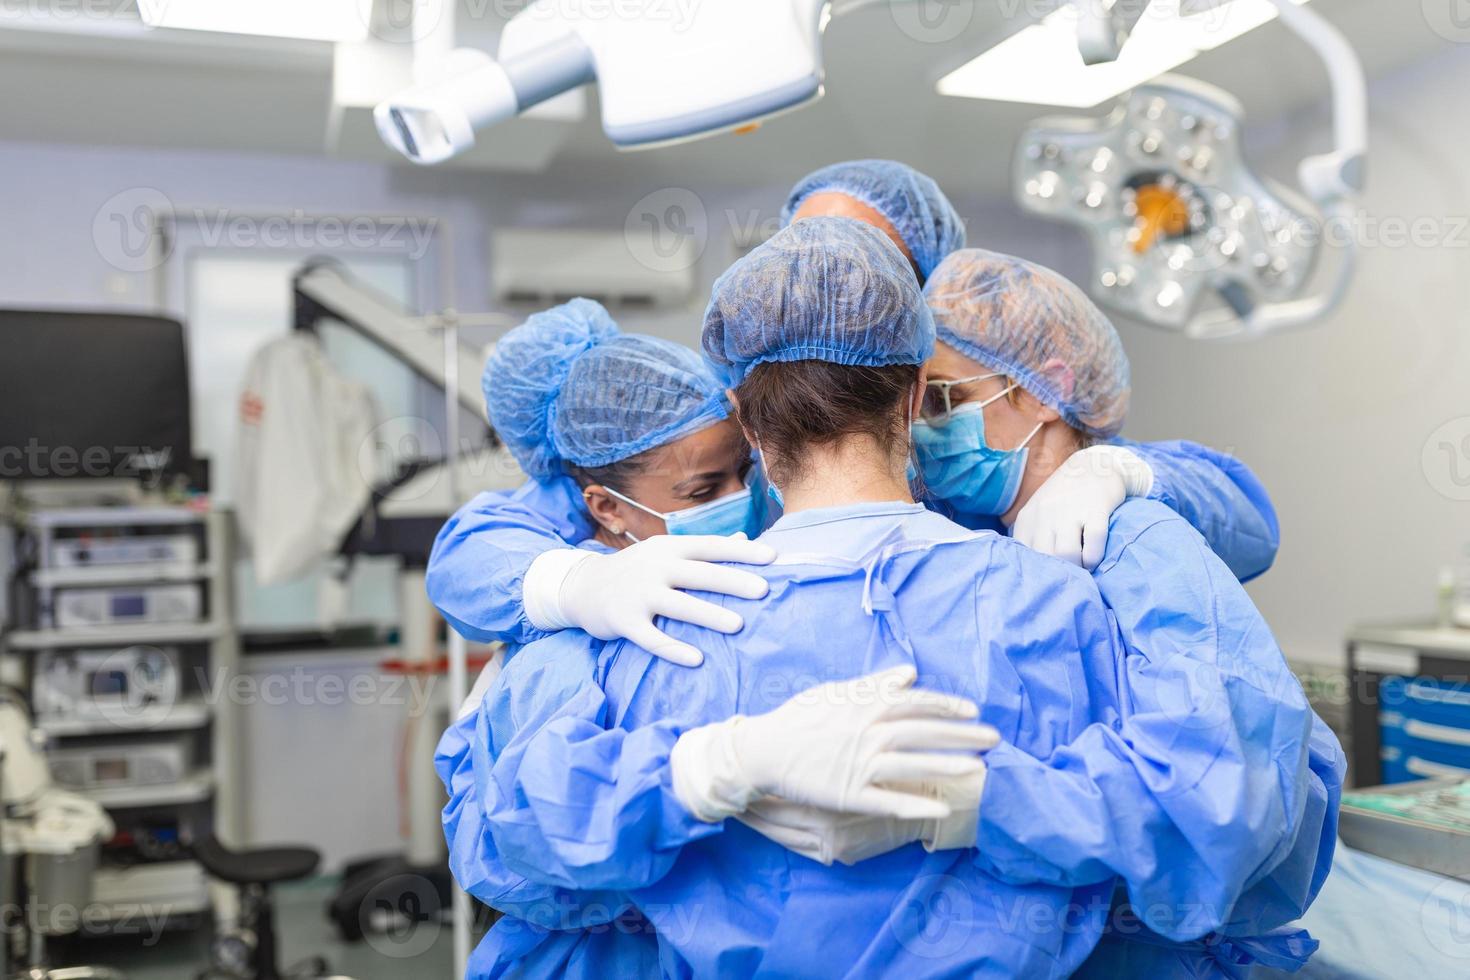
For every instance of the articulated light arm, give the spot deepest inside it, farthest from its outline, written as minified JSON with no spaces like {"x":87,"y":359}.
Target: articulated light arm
{"x":1333,"y":181}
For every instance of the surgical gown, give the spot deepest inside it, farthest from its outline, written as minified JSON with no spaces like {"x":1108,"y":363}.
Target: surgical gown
{"x":613,"y":820}
{"x":1213,"y":722}
{"x":478,"y":566}
{"x":549,"y":931}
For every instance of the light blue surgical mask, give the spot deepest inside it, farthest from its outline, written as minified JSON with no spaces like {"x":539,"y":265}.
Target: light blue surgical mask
{"x":962,"y":470}
{"x":734,"y":513}
{"x":759,"y":474}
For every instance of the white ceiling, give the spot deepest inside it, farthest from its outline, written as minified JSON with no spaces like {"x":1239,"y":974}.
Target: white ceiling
{"x":114,"y":84}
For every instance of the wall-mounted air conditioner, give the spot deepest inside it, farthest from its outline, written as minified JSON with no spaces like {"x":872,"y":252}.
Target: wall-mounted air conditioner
{"x":540,"y":268}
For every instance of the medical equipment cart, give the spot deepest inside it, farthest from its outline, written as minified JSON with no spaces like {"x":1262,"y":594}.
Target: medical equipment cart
{"x":127,"y":646}
{"x":1409,"y":702}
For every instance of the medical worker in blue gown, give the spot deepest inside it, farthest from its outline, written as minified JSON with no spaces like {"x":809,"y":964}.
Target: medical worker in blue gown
{"x":601,"y":817}
{"x":642,"y":427}
{"x":507,"y":566}
{"x":1026,"y":375}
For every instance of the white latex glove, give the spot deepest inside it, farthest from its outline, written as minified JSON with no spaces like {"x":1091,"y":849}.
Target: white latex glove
{"x":618,"y":596}
{"x":962,"y":826}
{"x":835,"y":746}
{"x":826,"y":835}
{"x":1068,"y":515}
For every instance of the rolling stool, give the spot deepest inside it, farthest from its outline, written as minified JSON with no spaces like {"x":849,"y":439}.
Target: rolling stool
{"x":249,"y":952}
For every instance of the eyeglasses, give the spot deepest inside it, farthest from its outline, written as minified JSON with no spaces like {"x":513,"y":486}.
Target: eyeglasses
{"x":939,"y":403}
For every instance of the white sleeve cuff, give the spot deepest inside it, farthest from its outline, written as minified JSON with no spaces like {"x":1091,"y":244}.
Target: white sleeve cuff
{"x":961,"y":828}
{"x":541,"y":588}
{"x":707,"y":777}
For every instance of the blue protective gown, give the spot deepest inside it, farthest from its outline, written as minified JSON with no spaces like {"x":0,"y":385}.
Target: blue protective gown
{"x":548,"y":931}
{"x":1214,"y":707}
{"x":478,"y":566}
{"x":477,"y":570}
{"x":1213,"y":844}
{"x":1219,"y":497}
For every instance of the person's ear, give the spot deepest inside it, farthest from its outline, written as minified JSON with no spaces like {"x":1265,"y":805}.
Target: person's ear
{"x":735,"y":413}
{"x":1034,"y":408}
{"x":604,"y":509}
{"x":1061,"y":379}
{"x":916,"y":402}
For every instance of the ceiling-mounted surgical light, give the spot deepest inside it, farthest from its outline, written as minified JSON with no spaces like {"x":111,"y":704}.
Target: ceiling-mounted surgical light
{"x":1184,"y":235}
{"x":1174,"y":214}
{"x":313,"y":20}
{"x":664,"y":72}
{"x":1044,"y":64}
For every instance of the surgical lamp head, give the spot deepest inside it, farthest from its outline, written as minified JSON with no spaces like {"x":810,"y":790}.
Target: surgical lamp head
{"x":1176,"y":217}
{"x":1185,"y":236}
{"x":664,"y":74}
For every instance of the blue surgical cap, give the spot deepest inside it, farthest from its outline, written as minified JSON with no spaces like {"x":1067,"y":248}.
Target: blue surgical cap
{"x":1037,"y":328}
{"x":822,"y":289}
{"x":912,"y":203}
{"x":567,"y":387}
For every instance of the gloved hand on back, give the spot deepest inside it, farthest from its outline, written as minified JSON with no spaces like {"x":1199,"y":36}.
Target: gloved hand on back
{"x":1067,"y":517}
{"x":847,"y":746}
{"x":618,"y":595}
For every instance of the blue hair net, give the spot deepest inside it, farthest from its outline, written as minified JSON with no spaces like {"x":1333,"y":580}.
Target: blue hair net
{"x":567,"y":387}
{"x":822,"y":289}
{"x":912,"y":203}
{"x":1037,"y":328}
